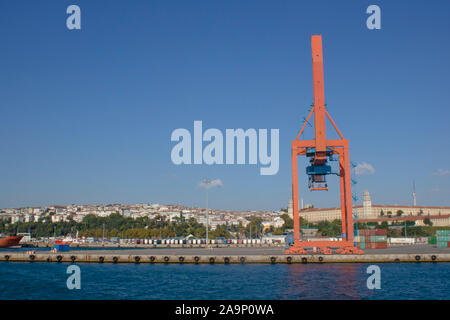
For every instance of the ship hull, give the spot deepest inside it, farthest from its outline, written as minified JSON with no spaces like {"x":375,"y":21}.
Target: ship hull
{"x":10,"y":242}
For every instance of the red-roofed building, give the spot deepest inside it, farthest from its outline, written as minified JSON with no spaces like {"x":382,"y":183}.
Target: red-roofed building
{"x":439,"y":216}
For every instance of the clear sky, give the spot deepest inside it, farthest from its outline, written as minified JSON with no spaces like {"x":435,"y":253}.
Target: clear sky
{"x":87,"y":115}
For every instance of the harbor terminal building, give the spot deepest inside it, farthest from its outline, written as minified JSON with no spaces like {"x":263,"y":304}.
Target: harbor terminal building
{"x":368,"y":212}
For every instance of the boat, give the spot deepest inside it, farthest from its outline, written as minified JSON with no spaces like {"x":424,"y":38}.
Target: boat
{"x":67,"y":240}
{"x":63,"y":244}
{"x":64,"y":241}
{"x":10,"y":241}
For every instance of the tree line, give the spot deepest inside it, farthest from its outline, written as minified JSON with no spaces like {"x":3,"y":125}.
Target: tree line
{"x":116,"y":225}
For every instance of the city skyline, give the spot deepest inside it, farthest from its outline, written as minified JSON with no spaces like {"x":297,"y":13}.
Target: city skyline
{"x":88,"y":114}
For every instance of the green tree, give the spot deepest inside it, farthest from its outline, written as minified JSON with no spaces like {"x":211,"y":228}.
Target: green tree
{"x":277,"y":231}
{"x":428,"y":221}
{"x":220,"y":231}
{"x":254,"y":228}
{"x":288,"y":222}
{"x":330,"y":229}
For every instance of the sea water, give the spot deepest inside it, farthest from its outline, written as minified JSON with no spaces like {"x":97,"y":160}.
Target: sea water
{"x":38,"y":280}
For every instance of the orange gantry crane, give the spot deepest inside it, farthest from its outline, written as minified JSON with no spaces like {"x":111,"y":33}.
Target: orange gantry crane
{"x":320,"y":151}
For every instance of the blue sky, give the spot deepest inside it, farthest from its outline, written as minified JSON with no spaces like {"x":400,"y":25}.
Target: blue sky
{"x":87,"y":115}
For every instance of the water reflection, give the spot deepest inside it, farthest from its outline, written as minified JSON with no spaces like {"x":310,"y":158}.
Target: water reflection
{"x":337,"y":281}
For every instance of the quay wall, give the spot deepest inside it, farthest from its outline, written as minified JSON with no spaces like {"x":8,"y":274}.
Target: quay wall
{"x":92,"y":257}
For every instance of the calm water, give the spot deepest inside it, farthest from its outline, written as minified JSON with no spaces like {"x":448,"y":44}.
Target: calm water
{"x":280,"y":281}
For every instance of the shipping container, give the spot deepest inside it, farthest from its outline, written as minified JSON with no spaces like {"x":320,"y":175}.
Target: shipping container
{"x":381,"y":245}
{"x":442,"y":244}
{"x":442,"y":232}
{"x":62,"y":247}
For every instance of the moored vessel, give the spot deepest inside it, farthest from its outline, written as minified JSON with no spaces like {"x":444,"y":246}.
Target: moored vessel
{"x":10,"y":241}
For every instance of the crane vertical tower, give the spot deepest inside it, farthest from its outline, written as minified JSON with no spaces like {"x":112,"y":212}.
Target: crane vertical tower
{"x":320,"y":151}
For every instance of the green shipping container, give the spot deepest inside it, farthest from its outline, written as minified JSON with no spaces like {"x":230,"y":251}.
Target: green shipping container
{"x":432,"y":240}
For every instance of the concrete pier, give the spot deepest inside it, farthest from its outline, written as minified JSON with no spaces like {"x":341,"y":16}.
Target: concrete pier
{"x":119,"y":257}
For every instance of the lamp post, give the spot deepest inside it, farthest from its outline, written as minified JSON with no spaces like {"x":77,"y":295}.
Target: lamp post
{"x":405,"y":230}
{"x":207,"y":182}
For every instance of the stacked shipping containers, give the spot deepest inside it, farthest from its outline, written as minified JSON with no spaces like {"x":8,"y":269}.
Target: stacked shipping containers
{"x":372,"y":239}
{"x":443,"y":238}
